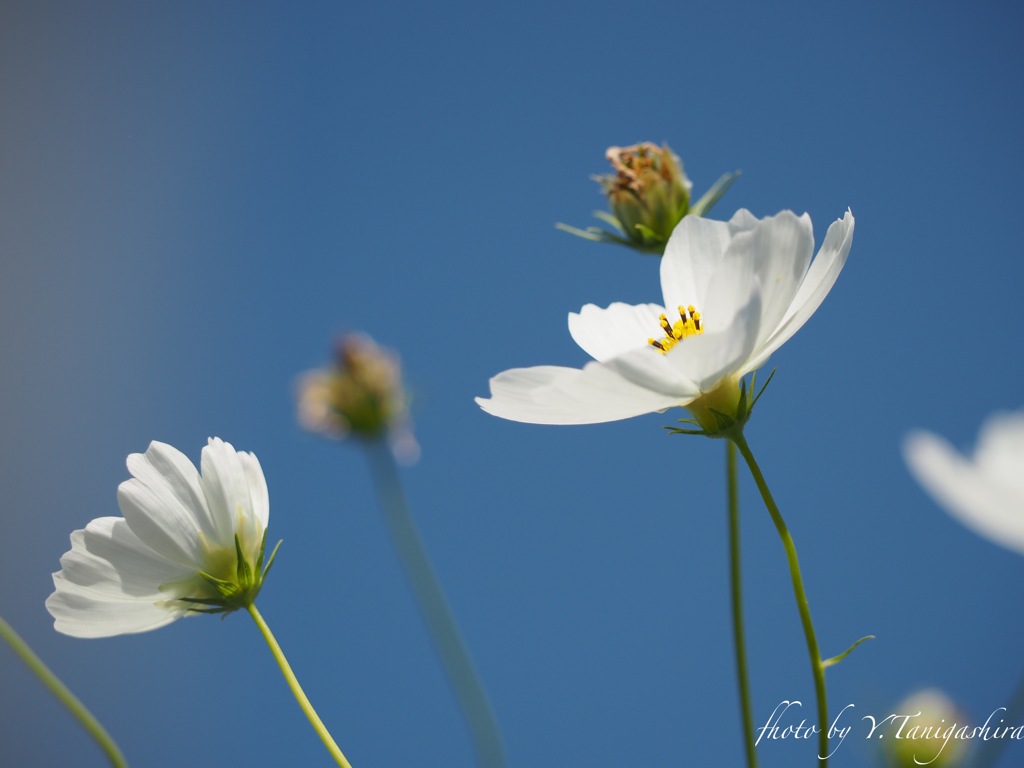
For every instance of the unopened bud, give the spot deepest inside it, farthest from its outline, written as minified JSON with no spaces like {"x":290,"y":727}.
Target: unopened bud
{"x":361,"y":394}
{"x":648,"y":194}
{"x":929,"y":723}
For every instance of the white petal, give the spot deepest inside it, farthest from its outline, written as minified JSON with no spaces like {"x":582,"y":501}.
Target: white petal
{"x":83,"y":616}
{"x":250,"y":529}
{"x":555,"y":395}
{"x":1000,"y":452}
{"x":777,"y":252}
{"x":988,"y":509}
{"x":691,"y":256}
{"x":226,"y":486}
{"x":820,"y":278}
{"x":648,"y":368}
{"x":606,"y":333}
{"x":107,"y":556}
{"x":155,"y":516}
{"x":741,"y":221}
{"x":257,"y":487}
{"x":712,"y":356}
{"x":110,"y":583}
{"x":173,"y":482}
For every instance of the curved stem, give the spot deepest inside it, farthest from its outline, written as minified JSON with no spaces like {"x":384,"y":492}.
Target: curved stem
{"x":66,"y":697}
{"x":798,"y":591}
{"x":737,"y":604}
{"x":476,"y":709}
{"x":293,"y":683}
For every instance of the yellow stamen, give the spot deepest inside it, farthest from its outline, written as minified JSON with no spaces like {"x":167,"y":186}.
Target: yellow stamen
{"x":687,"y":325}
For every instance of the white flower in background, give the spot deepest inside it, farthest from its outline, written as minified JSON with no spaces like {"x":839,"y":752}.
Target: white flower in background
{"x":984,"y":492}
{"x":187,"y":543}
{"x":734,"y":292}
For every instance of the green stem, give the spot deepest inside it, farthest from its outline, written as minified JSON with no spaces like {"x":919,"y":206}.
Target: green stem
{"x":798,"y":591}
{"x":476,"y":709}
{"x":66,"y":697}
{"x":743,"y":679}
{"x":299,"y":694}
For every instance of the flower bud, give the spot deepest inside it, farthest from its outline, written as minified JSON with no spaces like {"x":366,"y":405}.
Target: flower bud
{"x":648,"y":194}
{"x":361,"y":394}
{"x":928,"y":735}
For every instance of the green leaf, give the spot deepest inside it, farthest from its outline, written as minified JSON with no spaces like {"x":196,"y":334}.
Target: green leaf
{"x":836,"y":659}
{"x":708,"y":199}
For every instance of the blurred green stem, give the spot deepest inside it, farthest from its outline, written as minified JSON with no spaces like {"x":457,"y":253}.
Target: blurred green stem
{"x":817,"y":670}
{"x":737,"y":604}
{"x":293,"y":683}
{"x":438,"y":616}
{"x":66,"y":697}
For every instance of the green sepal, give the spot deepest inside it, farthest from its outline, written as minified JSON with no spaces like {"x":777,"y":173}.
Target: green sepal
{"x":270,"y":562}
{"x":722,"y":421}
{"x":610,"y":220}
{"x":649,"y":233}
{"x":201,"y":600}
{"x":243,"y":570}
{"x":680,"y":431}
{"x":598,"y":235}
{"x":219,"y":584}
{"x":238,"y":593}
{"x":708,"y":199}
{"x":836,"y":659}
{"x":726,"y":424}
{"x":263,"y":547}
{"x":215,"y":605}
{"x":763,"y":387}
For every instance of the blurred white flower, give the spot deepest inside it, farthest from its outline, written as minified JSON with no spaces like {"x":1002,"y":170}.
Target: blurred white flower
{"x":984,"y":492}
{"x":735,"y":292}
{"x":187,"y":543}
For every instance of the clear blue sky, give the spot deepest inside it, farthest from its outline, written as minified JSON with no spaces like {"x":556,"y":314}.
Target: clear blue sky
{"x":195,"y":197}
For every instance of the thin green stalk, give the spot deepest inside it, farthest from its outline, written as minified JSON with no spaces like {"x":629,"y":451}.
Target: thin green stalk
{"x":798,"y":591}
{"x":743,"y":679}
{"x":476,"y":709}
{"x":66,"y":697}
{"x":299,"y":694}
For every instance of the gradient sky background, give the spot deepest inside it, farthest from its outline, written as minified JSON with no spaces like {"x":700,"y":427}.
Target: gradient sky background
{"x":195,"y":198}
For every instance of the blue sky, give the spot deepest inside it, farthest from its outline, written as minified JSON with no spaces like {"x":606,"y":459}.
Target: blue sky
{"x":194,"y":199}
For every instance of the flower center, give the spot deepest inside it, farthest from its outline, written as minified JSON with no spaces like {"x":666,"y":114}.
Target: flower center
{"x":688,"y":324}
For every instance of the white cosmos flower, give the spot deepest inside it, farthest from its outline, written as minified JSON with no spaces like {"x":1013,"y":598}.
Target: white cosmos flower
{"x":187,"y":543}
{"x":734,"y":292}
{"x":984,"y":492}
